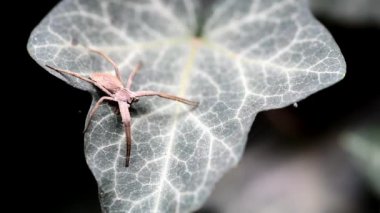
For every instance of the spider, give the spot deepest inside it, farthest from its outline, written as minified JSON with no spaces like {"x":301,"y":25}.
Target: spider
{"x":118,"y":92}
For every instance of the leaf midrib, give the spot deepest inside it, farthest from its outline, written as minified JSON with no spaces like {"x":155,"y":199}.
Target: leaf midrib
{"x":184,"y":83}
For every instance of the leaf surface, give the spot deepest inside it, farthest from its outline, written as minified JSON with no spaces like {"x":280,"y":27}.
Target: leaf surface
{"x":251,"y":56}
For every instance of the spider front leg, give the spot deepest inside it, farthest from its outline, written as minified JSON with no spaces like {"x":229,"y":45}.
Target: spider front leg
{"x":133,"y":74}
{"x":96,"y":107}
{"x":116,"y":68}
{"x":167,"y":96}
{"x":126,"y":119}
{"x":68,"y":72}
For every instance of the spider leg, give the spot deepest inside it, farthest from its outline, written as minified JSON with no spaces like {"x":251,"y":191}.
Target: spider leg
{"x":80,"y":77}
{"x":167,"y":96}
{"x":126,"y":119}
{"x":133,"y":74}
{"x":96,"y":107}
{"x":117,"y":71}
{"x":71,"y":73}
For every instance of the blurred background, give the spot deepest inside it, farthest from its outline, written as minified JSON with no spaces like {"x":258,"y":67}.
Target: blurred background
{"x":322,"y":156}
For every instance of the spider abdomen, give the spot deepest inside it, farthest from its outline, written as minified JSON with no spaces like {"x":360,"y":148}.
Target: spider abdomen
{"x":109,"y":82}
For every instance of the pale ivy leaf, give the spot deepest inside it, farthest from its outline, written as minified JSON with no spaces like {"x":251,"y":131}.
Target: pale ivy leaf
{"x":364,"y":146}
{"x":350,"y":11}
{"x":252,"y":55}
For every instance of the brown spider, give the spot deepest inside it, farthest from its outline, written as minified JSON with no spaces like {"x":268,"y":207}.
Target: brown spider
{"x":118,"y":92}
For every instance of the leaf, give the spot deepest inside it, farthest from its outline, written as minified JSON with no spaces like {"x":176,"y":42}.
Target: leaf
{"x":251,"y":56}
{"x":364,"y":146}
{"x":307,"y":180}
{"x":350,"y":11}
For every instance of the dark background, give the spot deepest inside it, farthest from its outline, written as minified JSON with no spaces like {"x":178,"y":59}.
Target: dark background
{"x":49,"y":168}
